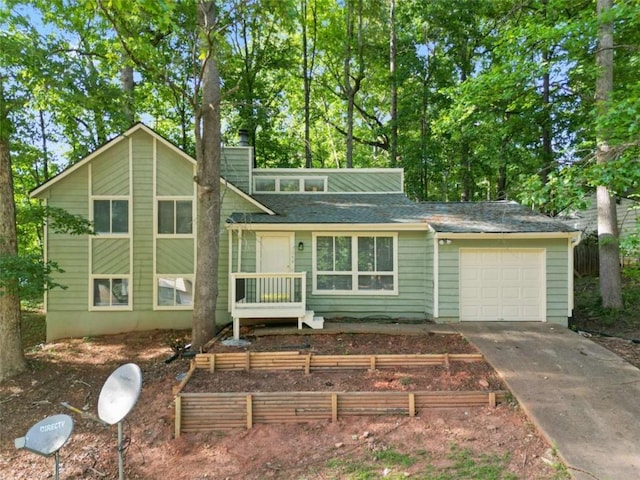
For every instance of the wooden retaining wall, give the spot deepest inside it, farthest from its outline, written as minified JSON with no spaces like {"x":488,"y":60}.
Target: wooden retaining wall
{"x":202,"y":412}
{"x":307,"y":362}
{"x":205,"y":412}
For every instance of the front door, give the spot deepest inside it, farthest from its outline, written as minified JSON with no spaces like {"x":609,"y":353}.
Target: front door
{"x":275,"y":255}
{"x":275,"y":252}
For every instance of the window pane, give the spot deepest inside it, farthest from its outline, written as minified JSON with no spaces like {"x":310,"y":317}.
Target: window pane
{"x":120,"y":216}
{"x":120,"y":291}
{"x":375,"y":282}
{"x":110,"y":292}
{"x":324,"y":254}
{"x":334,"y":282}
{"x":102,"y":216}
{"x":313,"y":185}
{"x":175,"y":291}
{"x":289,"y":185}
{"x":184,"y":218}
{"x":101,"y":292}
{"x":265,"y":184}
{"x":384,"y":254}
{"x":343,"y":254}
{"x":366,"y":257}
{"x":165,"y":216}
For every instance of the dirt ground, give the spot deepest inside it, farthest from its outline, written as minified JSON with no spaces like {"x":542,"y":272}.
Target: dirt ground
{"x":74,"y":371}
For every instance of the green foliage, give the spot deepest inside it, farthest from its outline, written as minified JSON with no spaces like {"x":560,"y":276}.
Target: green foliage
{"x":27,"y":276}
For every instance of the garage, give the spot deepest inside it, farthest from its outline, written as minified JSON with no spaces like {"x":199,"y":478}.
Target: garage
{"x":502,"y":285}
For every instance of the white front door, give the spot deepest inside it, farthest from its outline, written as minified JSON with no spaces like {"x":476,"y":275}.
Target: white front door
{"x":502,"y":284}
{"x":275,"y":255}
{"x":275,"y":252}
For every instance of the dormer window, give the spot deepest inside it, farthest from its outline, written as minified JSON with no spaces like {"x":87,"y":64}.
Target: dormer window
{"x":289,"y":184}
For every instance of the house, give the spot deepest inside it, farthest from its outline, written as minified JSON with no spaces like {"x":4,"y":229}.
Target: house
{"x":300,"y":244}
{"x":586,"y":220}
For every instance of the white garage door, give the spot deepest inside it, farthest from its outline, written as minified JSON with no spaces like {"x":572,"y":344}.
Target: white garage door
{"x":502,"y":284}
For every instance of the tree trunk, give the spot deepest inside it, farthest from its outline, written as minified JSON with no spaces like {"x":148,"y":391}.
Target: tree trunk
{"x":11,"y":357}
{"x":608,"y":246}
{"x":393,"y":52}
{"x":127,"y":84}
{"x":307,"y":74}
{"x":208,"y":139}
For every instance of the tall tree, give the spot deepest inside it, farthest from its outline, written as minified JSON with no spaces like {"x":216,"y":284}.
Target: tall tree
{"x":150,"y":39}
{"x":11,"y":357}
{"x":608,"y":245}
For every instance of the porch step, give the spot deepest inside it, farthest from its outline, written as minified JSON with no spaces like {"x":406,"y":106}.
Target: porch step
{"x":317,"y":323}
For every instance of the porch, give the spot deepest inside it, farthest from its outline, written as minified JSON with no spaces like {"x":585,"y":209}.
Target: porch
{"x":270,"y":295}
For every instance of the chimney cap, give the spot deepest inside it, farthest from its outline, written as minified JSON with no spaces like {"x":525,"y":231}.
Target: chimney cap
{"x":243,"y":135}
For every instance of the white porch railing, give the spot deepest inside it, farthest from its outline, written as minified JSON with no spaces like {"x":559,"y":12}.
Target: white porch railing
{"x":267,"y":295}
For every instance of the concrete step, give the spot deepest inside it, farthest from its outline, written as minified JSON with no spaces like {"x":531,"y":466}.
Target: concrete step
{"x":315,"y":322}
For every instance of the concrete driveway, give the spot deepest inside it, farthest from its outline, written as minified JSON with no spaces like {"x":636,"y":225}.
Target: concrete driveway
{"x":583,"y":398}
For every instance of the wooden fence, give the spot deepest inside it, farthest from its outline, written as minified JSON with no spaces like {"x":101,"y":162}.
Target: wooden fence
{"x":203,"y":412}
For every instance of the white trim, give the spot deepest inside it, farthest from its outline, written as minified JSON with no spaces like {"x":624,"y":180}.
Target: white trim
{"x":112,"y":308}
{"x":173,"y":307}
{"x":174,"y":198}
{"x":495,"y":236}
{"x":436,"y":279}
{"x":324,"y":170}
{"x":335,"y":227}
{"x":154,"y":222}
{"x":354,"y":263}
{"x":45,"y":254}
{"x":570,"y":267}
{"x":245,"y":196}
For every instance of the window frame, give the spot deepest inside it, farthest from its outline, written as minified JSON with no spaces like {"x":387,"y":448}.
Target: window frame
{"x":111,"y":199}
{"x":173,"y":199}
{"x":111,"y":308}
{"x":156,"y":291}
{"x":300,"y":179}
{"x":355,"y":273}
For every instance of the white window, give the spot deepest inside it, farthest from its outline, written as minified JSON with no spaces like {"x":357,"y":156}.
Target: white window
{"x":111,"y":292}
{"x":289,"y":184}
{"x":362,"y":263}
{"x":174,"y":292}
{"x":111,"y":216}
{"x":175,"y":217}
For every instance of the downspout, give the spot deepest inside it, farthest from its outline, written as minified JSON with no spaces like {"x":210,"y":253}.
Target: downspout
{"x":573,"y":241}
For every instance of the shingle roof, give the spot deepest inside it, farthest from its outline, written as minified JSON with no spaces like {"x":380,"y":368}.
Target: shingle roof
{"x":488,"y":217}
{"x":396,"y":208}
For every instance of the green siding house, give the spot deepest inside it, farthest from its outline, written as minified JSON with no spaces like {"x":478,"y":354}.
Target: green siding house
{"x":299,"y":244}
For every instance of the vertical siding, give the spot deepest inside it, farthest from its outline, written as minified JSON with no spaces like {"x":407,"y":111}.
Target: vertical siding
{"x":143,"y":283}
{"x":557,"y":281}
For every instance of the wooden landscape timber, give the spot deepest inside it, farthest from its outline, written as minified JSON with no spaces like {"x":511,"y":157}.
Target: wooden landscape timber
{"x":309,"y":361}
{"x":205,"y":412}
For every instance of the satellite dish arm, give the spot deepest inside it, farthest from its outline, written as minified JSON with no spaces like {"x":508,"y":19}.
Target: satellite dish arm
{"x":83,"y":414}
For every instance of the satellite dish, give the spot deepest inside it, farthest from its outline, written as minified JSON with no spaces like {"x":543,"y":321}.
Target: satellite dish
{"x":47,"y":436}
{"x":119,"y":393}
